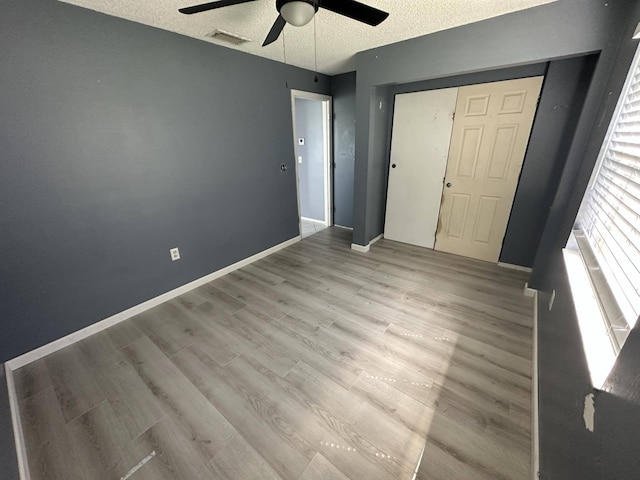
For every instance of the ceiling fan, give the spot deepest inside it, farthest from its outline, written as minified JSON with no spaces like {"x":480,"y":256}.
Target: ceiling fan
{"x":300,"y":12}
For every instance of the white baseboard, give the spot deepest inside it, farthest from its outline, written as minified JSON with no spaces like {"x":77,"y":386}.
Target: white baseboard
{"x":74,"y":337}
{"x":415,"y":473}
{"x":529,"y":292}
{"x":361,"y":248}
{"x":343,"y":227}
{"x":535,"y":441}
{"x":367,"y":247}
{"x":321,"y":222}
{"x":18,"y":436}
{"x":49,"y":348}
{"x":520,"y":268}
{"x":374,"y":240}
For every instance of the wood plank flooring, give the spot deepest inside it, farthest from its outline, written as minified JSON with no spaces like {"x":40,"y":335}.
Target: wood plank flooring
{"x":314,"y":363}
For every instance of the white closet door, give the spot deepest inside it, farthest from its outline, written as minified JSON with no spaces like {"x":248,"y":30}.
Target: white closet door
{"x":422,"y":124}
{"x":488,"y":144}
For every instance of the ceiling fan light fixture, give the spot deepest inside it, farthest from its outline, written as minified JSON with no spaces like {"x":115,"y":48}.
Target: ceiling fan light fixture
{"x":297,"y":12}
{"x":301,"y":12}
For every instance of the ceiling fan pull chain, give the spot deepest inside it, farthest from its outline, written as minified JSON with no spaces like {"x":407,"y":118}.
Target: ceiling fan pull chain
{"x":315,"y":49}
{"x":284,"y":49}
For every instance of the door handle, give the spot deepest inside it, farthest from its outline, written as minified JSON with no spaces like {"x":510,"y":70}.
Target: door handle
{"x":448,"y":184}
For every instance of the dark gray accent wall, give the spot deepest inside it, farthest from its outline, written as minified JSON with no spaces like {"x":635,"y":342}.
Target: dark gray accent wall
{"x":562,"y":98}
{"x":118,"y":142}
{"x":378,"y":173}
{"x":367,"y":213}
{"x":309,"y":124}
{"x":591,"y":128}
{"x":561,"y":29}
{"x":567,"y":449}
{"x":343,"y":91}
{"x":522,"y":71}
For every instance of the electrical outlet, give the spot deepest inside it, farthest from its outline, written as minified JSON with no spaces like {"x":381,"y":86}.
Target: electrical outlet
{"x":175,"y":254}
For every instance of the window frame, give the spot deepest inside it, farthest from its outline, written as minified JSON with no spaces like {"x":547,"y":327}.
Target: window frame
{"x":616,"y":325}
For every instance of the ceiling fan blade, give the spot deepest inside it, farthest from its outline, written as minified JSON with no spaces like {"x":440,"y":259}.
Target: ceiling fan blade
{"x":275,"y":31}
{"x":211,"y":5}
{"x":355,"y":10}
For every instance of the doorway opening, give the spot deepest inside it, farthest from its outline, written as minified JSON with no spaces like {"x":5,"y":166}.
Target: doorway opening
{"x":311,"y":113}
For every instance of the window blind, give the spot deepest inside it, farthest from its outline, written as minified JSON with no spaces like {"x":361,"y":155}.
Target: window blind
{"x":610,"y":214}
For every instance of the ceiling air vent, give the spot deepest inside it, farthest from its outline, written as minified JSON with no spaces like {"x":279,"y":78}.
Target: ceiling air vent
{"x":227,"y":37}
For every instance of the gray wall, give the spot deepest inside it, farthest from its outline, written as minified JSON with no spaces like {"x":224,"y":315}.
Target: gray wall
{"x":343,"y":91}
{"x":558,"y":30}
{"x":591,"y":128}
{"x":120,"y":141}
{"x":309,"y":124}
{"x":563,"y":92}
{"x":568,"y":450}
{"x":378,"y":172}
{"x":522,"y":71}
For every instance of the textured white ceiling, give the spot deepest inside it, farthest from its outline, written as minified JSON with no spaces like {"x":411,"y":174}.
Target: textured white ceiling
{"x":338,"y":38}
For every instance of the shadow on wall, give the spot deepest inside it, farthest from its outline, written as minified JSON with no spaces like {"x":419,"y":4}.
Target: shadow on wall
{"x":567,"y":448}
{"x":617,"y":412}
{"x":570,"y":449}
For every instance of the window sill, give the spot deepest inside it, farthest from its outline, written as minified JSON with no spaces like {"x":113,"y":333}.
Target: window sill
{"x":598,"y":347}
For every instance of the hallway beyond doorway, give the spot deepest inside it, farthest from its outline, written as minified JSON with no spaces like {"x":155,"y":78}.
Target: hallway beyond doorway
{"x":309,"y":227}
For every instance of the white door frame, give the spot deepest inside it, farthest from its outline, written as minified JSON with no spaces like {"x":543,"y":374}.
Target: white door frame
{"x":327,"y":115}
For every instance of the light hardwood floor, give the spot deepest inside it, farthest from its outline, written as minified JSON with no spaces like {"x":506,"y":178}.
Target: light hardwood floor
{"x":314,"y":363}
{"x":308,"y":228}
